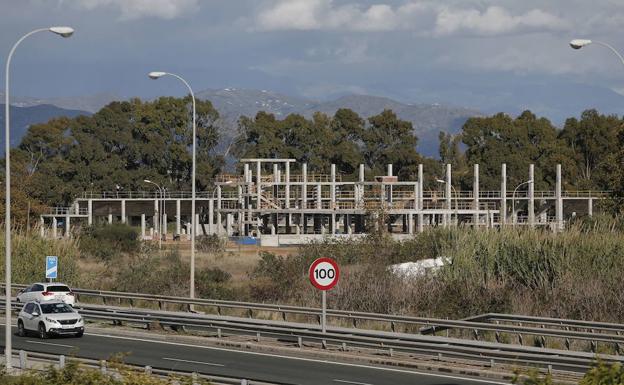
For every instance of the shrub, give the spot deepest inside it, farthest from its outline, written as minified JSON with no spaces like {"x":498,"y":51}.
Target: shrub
{"x":211,"y":243}
{"x":106,"y":242}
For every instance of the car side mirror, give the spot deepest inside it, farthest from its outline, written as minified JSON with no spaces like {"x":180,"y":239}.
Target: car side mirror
{"x":35,"y":314}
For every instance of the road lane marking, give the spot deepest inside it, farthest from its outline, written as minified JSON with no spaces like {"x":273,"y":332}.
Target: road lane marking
{"x":192,"y":362}
{"x":301,"y":359}
{"x":49,"y":343}
{"x":352,"y":382}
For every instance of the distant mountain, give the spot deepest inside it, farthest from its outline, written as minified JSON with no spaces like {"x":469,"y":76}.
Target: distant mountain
{"x":24,"y":117}
{"x":428,"y":119}
{"x":88,"y":103}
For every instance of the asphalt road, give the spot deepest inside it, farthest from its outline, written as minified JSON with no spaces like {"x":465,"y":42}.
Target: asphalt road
{"x":226,"y":362}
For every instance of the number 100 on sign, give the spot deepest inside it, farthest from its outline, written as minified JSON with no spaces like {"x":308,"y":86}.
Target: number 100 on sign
{"x":324,"y":273}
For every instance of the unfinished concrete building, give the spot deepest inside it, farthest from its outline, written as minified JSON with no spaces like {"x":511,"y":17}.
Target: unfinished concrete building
{"x":271,"y":203}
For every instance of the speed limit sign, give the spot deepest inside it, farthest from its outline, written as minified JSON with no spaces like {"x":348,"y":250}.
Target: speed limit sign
{"x":324,"y":273}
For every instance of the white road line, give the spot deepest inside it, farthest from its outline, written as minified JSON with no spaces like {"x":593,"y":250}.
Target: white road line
{"x":49,"y":343}
{"x":192,"y":362}
{"x":302,"y":359}
{"x":352,"y":382}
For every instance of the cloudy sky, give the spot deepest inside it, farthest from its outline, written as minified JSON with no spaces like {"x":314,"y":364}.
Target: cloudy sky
{"x":462,"y":52}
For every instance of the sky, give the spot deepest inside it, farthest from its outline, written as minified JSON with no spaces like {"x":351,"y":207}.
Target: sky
{"x":467,"y":53}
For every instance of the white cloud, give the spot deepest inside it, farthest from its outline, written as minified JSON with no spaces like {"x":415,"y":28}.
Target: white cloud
{"x":136,"y":9}
{"x":495,"y":20}
{"x":426,"y":17}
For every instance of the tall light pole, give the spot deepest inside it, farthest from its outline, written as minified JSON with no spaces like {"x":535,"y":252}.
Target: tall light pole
{"x":580,"y":43}
{"x":160,"y":216}
{"x":64,"y":32}
{"x":456,"y":198}
{"x":158,"y":75}
{"x":513,"y":199}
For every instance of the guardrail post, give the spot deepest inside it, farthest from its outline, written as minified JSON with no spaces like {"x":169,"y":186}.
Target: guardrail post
{"x":61,"y":361}
{"x":243,"y":382}
{"x":520,"y":340}
{"x":567,"y":343}
{"x":390,"y":352}
{"x":160,"y":305}
{"x":354,"y":322}
{"x":498,"y":337}
{"x":23,"y":359}
{"x":194,"y":378}
{"x":257,"y":336}
{"x":475,"y":334}
{"x":284,"y":315}
{"x":617,"y":348}
{"x":324,"y":344}
{"x":393,"y":326}
{"x":300,"y":341}
{"x":103,"y":366}
{"x":344,"y":346}
{"x":218,"y":332}
{"x":592,"y":345}
{"x":250,"y":313}
{"x":148,"y":370}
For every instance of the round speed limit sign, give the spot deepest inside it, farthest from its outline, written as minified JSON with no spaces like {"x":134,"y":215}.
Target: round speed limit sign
{"x":324,"y":273}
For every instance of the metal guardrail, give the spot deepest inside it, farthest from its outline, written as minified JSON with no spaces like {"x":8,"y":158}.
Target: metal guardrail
{"x":591,"y":333}
{"x":28,"y":360}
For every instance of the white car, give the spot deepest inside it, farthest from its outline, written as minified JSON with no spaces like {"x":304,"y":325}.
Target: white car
{"x":49,"y":318}
{"x":45,"y":292}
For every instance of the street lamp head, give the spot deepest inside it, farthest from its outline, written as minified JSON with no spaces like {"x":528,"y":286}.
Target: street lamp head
{"x":440,"y":181}
{"x":579,"y":43}
{"x":147,"y":181}
{"x":62,"y":31}
{"x":156,"y":74}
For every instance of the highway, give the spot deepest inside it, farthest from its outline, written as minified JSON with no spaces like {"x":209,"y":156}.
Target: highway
{"x":229,"y":362}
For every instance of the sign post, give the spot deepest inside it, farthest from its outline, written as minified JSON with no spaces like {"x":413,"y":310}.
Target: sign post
{"x":324,"y":274}
{"x":51,"y":267}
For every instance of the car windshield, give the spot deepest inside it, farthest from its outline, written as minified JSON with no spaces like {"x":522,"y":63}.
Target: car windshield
{"x":58,"y":288}
{"x":49,"y":308}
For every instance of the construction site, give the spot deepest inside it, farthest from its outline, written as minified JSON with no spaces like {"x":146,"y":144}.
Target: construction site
{"x":270,"y":205}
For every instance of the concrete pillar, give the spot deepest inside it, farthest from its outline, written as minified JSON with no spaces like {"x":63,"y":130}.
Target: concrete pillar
{"x":475,"y":194}
{"x":410,"y":223}
{"x":110,"y":218}
{"x":143,"y":226}
{"x":333,"y":198}
{"x":420,"y":198}
{"x":258,"y":184}
{"x":319,"y":192}
{"x":90,"y":212}
{"x":361,"y":174}
{"x":287,"y":181}
{"x":448,"y":194}
{"x":123,"y":211}
{"x":590,"y":207}
{"x":41,"y":226}
{"x":211,"y":229}
{"x":164,"y":223}
{"x":559,"y":198}
{"x":228,"y":224}
{"x":503,"y":203}
{"x":218,"y":210}
{"x":156,"y":219}
{"x":67,"y":227}
{"x":197,"y":229}
{"x":54,"y":228}
{"x":304,"y":186}
{"x":178,"y":217}
{"x":531,"y":204}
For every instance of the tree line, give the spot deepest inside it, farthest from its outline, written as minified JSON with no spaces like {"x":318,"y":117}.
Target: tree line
{"x":126,"y":142}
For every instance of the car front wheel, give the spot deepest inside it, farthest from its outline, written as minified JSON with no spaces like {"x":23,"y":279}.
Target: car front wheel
{"x":43,"y":334}
{"x":20,"y":329}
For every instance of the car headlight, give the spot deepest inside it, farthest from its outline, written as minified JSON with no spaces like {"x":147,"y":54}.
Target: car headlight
{"x":79,"y":319}
{"x":51,"y":320}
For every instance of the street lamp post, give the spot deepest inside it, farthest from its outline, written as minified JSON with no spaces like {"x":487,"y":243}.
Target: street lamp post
{"x":456,"y":199}
{"x":160,"y":213}
{"x":513,"y":199}
{"x":580,"y":43}
{"x":158,"y":75}
{"x":64,"y":32}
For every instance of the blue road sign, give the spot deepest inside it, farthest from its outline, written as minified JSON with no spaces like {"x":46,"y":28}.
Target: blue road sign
{"x":51,"y":267}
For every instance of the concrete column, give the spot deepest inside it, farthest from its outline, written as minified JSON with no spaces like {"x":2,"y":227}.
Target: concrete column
{"x":531,"y":204}
{"x":475,"y":193}
{"x":211,"y":229}
{"x":503,"y":202}
{"x":164,"y":223}
{"x":304,"y":186}
{"x":219,"y":224}
{"x":361,"y":179}
{"x":156,"y":220}
{"x":178,"y":217}
{"x":287,"y":181}
{"x":410,"y":223}
{"x":54,"y":228}
{"x":218,"y":210}
{"x":258,"y":185}
{"x":319,"y":192}
{"x":197,"y":229}
{"x":123,"y":211}
{"x":143,"y":226}
{"x":448,"y":195}
{"x":228,"y":224}
{"x":590,"y":207}
{"x":110,"y":218}
{"x":67,"y":227}
{"x":41,"y":226}
{"x":333,"y":198}
{"x":90,"y":212}
{"x":559,"y":204}
{"x":420,"y":198}
{"x":360,"y":188}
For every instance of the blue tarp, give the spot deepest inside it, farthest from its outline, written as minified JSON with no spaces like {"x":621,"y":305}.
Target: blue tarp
{"x":247,"y":241}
